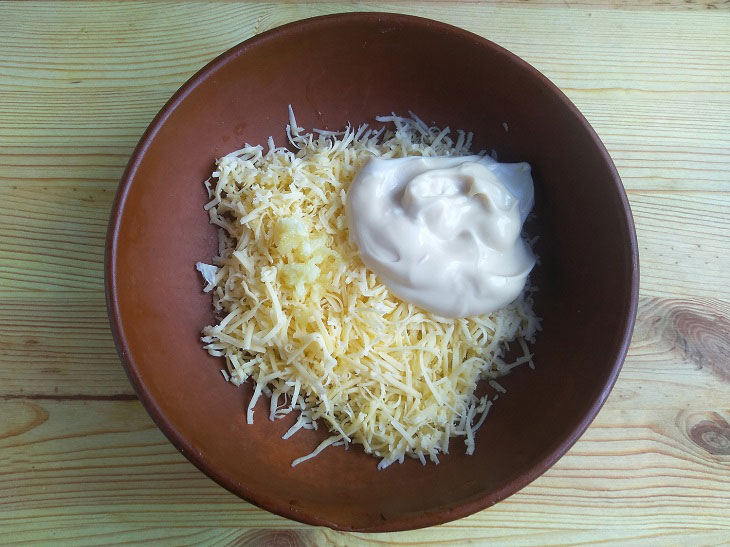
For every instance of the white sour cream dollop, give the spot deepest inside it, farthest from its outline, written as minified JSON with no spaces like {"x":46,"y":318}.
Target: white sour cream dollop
{"x":444,"y":233}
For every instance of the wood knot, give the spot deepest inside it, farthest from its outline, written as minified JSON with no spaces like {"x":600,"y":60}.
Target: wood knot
{"x":20,"y":417}
{"x":712,"y":433}
{"x":704,"y":339}
{"x":271,"y":538}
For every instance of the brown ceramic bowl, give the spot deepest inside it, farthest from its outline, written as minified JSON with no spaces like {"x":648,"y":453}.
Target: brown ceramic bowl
{"x":350,"y":68}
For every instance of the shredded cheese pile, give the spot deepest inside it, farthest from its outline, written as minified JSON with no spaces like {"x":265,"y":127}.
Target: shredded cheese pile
{"x":315,"y":330}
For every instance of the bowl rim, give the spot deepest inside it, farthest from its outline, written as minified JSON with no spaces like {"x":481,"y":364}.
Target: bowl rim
{"x":423,"y":519}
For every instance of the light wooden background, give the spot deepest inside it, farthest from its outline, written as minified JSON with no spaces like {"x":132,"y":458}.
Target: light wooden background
{"x":80,"y":460}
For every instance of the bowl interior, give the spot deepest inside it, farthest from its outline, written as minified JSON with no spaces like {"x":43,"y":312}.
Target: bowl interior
{"x":332,"y":71}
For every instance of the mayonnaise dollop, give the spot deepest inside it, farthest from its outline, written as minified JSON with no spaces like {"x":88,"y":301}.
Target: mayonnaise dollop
{"x":444,"y":232}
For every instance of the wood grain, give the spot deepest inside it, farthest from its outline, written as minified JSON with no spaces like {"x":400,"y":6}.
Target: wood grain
{"x":82,"y":461}
{"x":57,"y":245}
{"x":75,"y":357}
{"x":635,"y":468}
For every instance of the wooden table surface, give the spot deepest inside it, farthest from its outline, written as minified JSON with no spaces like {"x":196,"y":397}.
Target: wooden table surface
{"x":81,"y":461}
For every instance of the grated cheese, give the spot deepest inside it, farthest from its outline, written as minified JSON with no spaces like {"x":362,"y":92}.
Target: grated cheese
{"x":316,"y":332}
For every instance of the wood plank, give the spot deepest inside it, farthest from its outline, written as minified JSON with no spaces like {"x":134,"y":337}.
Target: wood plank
{"x":635,"y":5}
{"x":75,"y":357}
{"x":85,"y":534}
{"x":53,"y":238}
{"x":155,"y":44}
{"x":104,"y":462}
{"x":684,"y":248}
{"x":59,"y":348}
{"x":80,"y":87}
{"x":650,"y":450}
{"x":661,"y":143}
{"x":57,"y":244}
